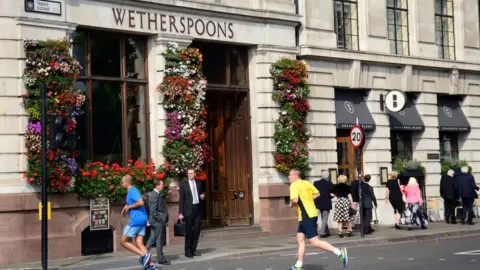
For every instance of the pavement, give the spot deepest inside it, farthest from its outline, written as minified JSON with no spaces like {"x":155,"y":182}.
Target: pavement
{"x":255,"y":245}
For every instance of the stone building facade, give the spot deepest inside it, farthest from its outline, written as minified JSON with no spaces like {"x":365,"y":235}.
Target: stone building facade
{"x":356,"y":51}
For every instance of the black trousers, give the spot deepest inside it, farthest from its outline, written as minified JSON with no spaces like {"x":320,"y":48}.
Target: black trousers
{"x":157,"y":238}
{"x":192,"y":223}
{"x":467,"y":209}
{"x":367,"y":219}
{"x":449,"y":206}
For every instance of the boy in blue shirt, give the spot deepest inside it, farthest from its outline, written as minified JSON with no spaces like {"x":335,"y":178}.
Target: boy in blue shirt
{"x":136,"y":225}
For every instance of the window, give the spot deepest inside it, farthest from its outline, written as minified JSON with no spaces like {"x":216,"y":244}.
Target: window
{"x":115,"y":124}
{"x":445,"y":36}
{"x":346,"y":24}
{"x":448,"y":146}
{"x":401,"y":144}
{"x":397,"y":14}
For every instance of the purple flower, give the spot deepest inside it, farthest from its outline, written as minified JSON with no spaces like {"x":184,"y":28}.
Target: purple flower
{"x":34,"y":127}
{"x":72,"y":164}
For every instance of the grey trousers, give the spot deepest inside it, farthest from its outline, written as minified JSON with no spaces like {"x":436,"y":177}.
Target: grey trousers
{"x":157,"y":238}
{"x":324,"y":227}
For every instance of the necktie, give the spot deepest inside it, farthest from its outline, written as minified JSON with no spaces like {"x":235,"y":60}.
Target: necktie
{"x":194,"y":192}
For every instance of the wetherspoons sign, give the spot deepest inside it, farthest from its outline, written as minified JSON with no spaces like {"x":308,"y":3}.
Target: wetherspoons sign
{"x":172,"y":23}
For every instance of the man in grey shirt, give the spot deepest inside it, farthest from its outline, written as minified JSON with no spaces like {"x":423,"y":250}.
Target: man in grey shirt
{"x":158,"y":220}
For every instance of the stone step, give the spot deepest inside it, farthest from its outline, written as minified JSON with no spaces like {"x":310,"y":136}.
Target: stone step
{"x":232,"y":233}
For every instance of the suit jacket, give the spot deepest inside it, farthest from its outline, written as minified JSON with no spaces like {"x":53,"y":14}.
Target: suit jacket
{"x":186,"y":198}
{"x":368,"y":195}
{"x":354,"y":186}
{"x":324,"y":202}
{"x":466,"y":186}
{"x":447,"y":187}
{"x":157,"y":208}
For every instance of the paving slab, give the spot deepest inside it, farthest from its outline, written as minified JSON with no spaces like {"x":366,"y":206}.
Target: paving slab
{"x":253,"y":245}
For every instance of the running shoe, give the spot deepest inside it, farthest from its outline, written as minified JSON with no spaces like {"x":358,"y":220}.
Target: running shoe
{"x":343,"y":257}
{"x":146,"y":259}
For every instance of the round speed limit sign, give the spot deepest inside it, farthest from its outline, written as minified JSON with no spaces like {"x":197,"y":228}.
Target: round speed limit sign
{"x":356,"y":136}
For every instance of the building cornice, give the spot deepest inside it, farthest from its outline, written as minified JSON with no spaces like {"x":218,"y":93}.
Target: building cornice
{"x":312,"y":52}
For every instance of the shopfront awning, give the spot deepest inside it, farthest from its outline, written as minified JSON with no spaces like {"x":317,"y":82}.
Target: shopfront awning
{"x":348,"y":106}
{"x":450,"y":115}
{"x":406,"y":119}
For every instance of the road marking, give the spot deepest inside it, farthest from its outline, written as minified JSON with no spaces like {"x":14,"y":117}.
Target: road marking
{"x":410,"y":259}
{"x":441,"y":259}
{"x":352,"y":257}
{"x":295,"y":254}
{"x":324,"y":257}
{"x":473,"y":260}
{"x":471,"y":252}
{"x":380,"y":258}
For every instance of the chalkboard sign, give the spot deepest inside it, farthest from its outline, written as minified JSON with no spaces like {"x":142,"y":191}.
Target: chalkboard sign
{"x":99,"y":214}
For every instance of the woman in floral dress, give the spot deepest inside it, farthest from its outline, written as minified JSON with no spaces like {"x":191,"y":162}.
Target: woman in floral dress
{"x":413,"y":214}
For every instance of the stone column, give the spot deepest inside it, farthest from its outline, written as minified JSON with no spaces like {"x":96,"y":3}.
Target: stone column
{"x":428,"y":142}
{"x":273,"y":192}
{"x":157,"y":47}
{"x":469,"y":142}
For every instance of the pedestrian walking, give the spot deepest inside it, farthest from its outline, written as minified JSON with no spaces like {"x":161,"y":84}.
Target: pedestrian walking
{"x":414,"y":214}
{"x":344,"y":206}
{"x":158,"y":221}
{"x":302,"y":195}
{"x":324,"y":201}
{"x":449,"y":196}
{"x":466,"y":188}
{"x":394,"y":196}
{"x":190,"y":211}
{"x":135,"y":230}
{"x":368,"y":202}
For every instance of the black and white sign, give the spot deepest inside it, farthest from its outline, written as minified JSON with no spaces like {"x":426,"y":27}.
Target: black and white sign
{"x":44,"y":6}
{"x":356,"y":136}
{"x":395,"y":101}
{"x":99,"y":214}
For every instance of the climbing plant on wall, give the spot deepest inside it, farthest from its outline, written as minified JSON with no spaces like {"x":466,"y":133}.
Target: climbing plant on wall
{"x":184,"y":90}
{"x":290,"y":91}
{"x":50,"y":62}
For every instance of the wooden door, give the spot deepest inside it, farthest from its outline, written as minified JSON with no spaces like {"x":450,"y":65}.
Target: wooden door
{"x":217,"y":174}
{"x":237,"y":139}
{"x":346,"y":158}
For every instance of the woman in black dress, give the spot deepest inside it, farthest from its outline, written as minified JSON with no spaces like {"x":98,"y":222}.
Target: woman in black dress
{"x":393,"y":194}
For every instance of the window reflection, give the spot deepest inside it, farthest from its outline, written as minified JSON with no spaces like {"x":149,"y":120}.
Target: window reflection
{"x":107,"y":121}
{"x":135,"y":56}
{"x":448,"y":146}
{"x":82,"y":127}
{"x":215,"y":64}
{"x":105,"y":52}
{"x":401,"y":144}
{"x":79,"y":51}
{"x":238,"y":67}
{"x":136,"y":122}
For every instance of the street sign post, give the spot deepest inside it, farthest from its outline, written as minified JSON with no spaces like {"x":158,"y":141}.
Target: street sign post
{"x":44,"y":209}
{"x":356,"y":139}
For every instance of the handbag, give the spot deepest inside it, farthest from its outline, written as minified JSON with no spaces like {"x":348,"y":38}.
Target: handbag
{"x":352,"y":212}
{"x":179,"y":228}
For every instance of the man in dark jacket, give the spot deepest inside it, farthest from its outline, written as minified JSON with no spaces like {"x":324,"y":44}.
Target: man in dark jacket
{"x":448,"y":193}
{"x":466,"y":189}
{"x":368,"y":202}
{"x":324,"y":202}
{"x":158,"y":220}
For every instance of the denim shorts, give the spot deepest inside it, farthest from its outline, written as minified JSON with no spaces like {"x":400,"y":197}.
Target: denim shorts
{"x":134,"y":231}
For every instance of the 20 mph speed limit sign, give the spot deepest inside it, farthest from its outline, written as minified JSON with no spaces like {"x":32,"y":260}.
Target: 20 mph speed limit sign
{"x":356,"y":136}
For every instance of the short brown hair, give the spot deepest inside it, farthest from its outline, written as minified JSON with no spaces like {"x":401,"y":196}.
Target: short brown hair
{"x":297,"y":172}
{"x":157,"y":182}
{"x":191,"y":169}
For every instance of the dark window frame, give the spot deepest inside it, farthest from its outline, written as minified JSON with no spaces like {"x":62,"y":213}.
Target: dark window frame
{"x":125,"y":81}
{"x":407,"y":139}
{"x":441,"y":16}
{"x":452,"y":138}
{"x":225,"y":51}
{"x":395,"y":24}
{"x":342,"y":37}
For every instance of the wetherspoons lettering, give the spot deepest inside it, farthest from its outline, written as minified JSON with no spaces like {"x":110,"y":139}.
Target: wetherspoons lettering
{"x":172,"y":24}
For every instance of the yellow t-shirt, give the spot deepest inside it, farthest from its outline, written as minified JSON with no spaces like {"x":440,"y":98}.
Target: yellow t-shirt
{"x":303,"y":191}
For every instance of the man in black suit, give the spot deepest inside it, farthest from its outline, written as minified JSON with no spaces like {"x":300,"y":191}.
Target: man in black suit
{"x":368,"y":202}
{"x":466,"y":189}
{"x":158,"y":220}
{"x":324,"y":201}
{"x":190,"y":210}
{"x":448,"y":193}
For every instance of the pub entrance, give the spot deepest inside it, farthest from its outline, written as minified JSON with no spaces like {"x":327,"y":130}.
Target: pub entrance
{"x":228,"y":187}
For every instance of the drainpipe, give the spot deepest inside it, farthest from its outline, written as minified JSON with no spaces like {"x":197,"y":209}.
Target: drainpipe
{"x":297,"y":28}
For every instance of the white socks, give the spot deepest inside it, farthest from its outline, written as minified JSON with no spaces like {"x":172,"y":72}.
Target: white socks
{"x":337,"y":252}
{"x":299,"y":264}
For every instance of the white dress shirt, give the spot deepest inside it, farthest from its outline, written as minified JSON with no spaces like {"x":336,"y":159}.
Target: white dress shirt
{"x":193,"y":188}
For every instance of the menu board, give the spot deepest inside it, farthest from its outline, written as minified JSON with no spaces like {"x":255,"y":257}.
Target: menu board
{"x":99,"y":214}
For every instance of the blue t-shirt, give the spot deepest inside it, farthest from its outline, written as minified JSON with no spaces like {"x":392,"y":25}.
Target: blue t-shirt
{"x":138,"y":216}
